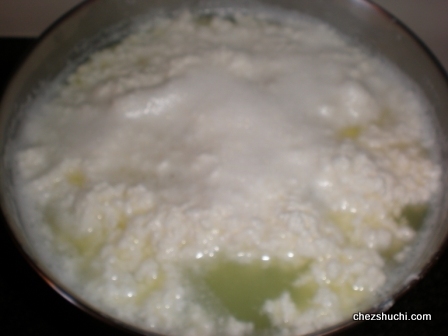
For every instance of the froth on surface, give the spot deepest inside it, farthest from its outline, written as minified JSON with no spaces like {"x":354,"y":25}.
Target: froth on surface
{"x":200,"y":144}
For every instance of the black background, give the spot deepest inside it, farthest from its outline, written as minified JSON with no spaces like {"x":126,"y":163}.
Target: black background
{"x":28,"y":306}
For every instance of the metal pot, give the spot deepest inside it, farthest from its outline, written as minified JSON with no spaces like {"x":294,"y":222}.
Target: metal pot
{"x":98,"y":23}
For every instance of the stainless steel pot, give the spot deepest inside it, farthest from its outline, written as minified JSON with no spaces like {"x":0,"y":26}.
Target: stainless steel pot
{"x":98,"y":23}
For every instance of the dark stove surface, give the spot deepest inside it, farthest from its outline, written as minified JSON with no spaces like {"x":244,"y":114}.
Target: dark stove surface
{"x":29,"y":306}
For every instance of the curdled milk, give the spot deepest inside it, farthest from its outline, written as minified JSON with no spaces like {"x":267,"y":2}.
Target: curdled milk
{"x":228,"y":176}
